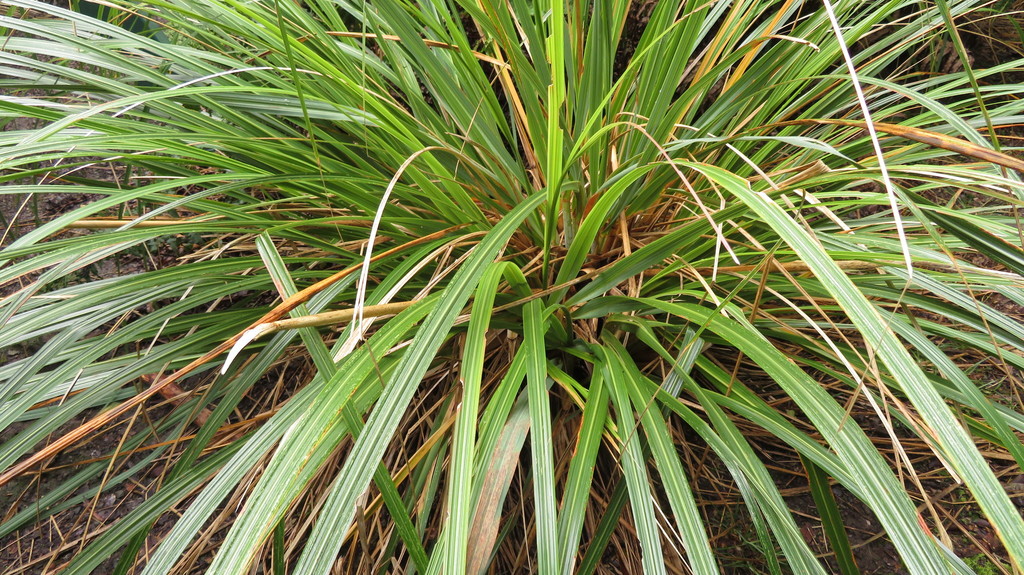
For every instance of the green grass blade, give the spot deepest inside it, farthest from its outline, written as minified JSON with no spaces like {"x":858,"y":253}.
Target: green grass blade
{"x":540,"y":438}
{"x":689,"y":522}
{"x":634,"y":465}
{"x":605,"y":529}
{"x":464,"y":436}
{"x":576,"y":493}
{"x":831,"y":518}
{"x":951,"y":438}
{"x":319,"y":552}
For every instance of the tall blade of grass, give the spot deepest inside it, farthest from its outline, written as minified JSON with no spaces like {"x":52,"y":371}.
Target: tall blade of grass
{"x":492,"y":483}
{"x":1000,"y":250}
{"x":689,"y":522}
{"x":464,"y":435}
{"x":863,"y":464}
{"x":322,"y":546}
{"x":634,"y":464}
{"x":605,"y":529}
{"x":503,"y":429}
{"x":764,"y":502}
{"x":356,"y":367}
{"x":973,"y":397}
{"x":327,"y":370}
{"x":534,"y":320}
{"x":591,"y":75}
{"x":578,"y":482}
{"x":553,"y":167}
{"x":946,"y":12}
{"x":831,"y":518}
{"x":494,"y":419}
{"x":955,"y":444}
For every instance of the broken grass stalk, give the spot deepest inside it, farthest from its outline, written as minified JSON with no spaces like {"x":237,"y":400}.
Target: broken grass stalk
{"x":315,"y":320}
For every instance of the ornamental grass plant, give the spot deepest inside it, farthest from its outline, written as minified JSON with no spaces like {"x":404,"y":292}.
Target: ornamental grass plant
{"x":470,"y":286}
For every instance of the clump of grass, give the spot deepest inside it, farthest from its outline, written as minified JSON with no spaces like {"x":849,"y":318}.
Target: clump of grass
{"x":513,"y":279}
